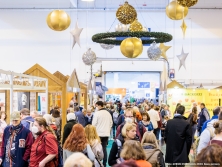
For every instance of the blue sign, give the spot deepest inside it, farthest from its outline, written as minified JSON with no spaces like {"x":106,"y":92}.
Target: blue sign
{"x":143,"y":84}
{"x":142,"y":38}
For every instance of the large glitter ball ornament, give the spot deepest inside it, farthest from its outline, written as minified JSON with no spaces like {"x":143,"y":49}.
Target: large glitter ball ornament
{"x":187,"y":3}
{"x":131,"y":47}
{"x":126,"y":14}
{"x":58,"y":20}
{"x":106,"y":46}
{"x":175,"y":11}
{"x":154,"y":52}
{"x":136,"y":26}
{"x":89,"y":57}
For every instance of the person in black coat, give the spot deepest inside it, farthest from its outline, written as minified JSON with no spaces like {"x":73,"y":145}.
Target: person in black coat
{"x":71,"y":120}
{"x":178,"y":138}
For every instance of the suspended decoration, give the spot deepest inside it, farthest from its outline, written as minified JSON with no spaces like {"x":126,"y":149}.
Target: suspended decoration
{"x":175,"y":11}
{"x":121,"y":28}
{"x":183,"y":27}
{"x":76,"y":34}
{"x":182,"y":57}
{"x":136,"y":26}
{"x":58,"y":20}
{"x":106,"y":46}
{"x":131,"y":47}
{"x":163,"y":49}
{"x":187,"y":3}
{"x":126,"y":14}
{"x":154,"y":52}
{"x":145,"y":29}
{"x":89,"y":57}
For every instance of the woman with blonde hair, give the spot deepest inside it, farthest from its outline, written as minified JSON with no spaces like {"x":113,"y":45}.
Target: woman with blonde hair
{"x":77,"y":142}
{"x":95,"y":143}
{"x":218,"y":131}
{"x":78,"y":160}
{"x":132,"y":150}
{"x":128,"y":133}
{"x":152,"y":151}
{"x":44,"y":151}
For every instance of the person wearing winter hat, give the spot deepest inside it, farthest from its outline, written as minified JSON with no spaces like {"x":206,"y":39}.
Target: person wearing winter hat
{"x":71,"y":120}
{"x":16,"y":143}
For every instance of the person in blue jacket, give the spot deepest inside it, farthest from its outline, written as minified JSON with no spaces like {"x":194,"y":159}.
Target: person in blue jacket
{"x":26,"y":119}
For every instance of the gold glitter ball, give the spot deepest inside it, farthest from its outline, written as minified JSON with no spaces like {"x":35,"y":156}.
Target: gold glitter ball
{"x":187,"y":3}
{"x":126,"y":14}
{"x":136,"y":26}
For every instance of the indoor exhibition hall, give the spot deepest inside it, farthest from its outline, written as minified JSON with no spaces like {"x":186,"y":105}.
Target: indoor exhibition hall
{"x":110,"y":83}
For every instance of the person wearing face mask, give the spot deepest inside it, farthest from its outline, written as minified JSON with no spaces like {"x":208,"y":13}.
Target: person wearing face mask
{"x":128,"y":133}
{"x":44,"y":152}
{"x":130,"y":117}
{"x":16,"y":143}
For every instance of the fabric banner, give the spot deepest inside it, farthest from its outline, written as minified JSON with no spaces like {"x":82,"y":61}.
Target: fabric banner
{"x":187,"y":97}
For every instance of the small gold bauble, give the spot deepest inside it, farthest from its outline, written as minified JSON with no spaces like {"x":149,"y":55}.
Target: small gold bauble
{"x":175,"y":11}
{"x":136,"y":26}
{"x":58,"y":20}
{"x":131,"y":47}
{"x":187,"y":3}
{"x":126,"y":14}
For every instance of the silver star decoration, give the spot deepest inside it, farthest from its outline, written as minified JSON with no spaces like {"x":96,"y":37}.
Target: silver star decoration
{"x":76,"y":33}
{"x":182,"y":57}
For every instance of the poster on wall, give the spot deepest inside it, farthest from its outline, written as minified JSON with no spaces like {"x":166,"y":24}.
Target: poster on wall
{"x":2,"y":101}
{"x":42,"y":103}
{"x":32,"y":101}
{"x":23,"y":100}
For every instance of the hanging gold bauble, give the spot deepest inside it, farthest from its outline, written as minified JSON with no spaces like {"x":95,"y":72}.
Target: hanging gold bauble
{"x":126,"y":14}
{"x":187,"y":3}
{"x":58,"y":20}
{"x":136,"y":26}
{"x":175,"y":11}
{"x":131,"y":47}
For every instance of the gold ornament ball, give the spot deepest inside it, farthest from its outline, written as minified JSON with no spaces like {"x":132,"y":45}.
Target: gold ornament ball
{"x":187,"y":3}
{"x":175,"y":11}
{"x":58,"y":20}
{"x":126,"y":14}
{"x":136,"y":26}
{"x":131,"y":47}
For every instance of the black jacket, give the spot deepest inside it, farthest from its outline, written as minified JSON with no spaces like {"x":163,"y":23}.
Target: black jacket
{"x":87,"y":122}
{"x":114,"y":152}
{"x":178,"y":138}
{"x":68,"y":129}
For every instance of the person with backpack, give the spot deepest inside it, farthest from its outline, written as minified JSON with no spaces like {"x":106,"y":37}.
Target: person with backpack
{"x":95,"y":144}
{"x":153,"y":154}
{"x":192,"y":119}
{"x":128,"y":133}
{"x":26,"y":119}
{"x":206,"y":135}
{"x":130,"y":117}
{"x":77,"y":142}
{"x":44,"y":151}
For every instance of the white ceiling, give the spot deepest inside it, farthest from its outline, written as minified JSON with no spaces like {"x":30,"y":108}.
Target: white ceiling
{"x":99,"y":4}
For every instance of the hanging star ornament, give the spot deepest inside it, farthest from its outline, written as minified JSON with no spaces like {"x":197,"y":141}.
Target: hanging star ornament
{"x":183,"y":27}
{"x":163,"y":49}
{"x":76,"y":33}
{"x":182,"y":57}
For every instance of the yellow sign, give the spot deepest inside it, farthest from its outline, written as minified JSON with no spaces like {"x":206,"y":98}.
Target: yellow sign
{"x":187,"y":97}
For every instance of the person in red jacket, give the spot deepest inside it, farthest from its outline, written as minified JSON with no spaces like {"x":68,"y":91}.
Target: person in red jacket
{"x":130,"y":117}
{"x":16,"y":143}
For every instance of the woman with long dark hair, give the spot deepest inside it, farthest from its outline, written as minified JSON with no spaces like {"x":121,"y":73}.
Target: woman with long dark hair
{"x":77,"y":142}
{"x":44,"y":151}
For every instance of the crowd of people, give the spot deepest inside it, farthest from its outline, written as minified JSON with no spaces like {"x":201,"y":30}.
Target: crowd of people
{"x":33,"y":140}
